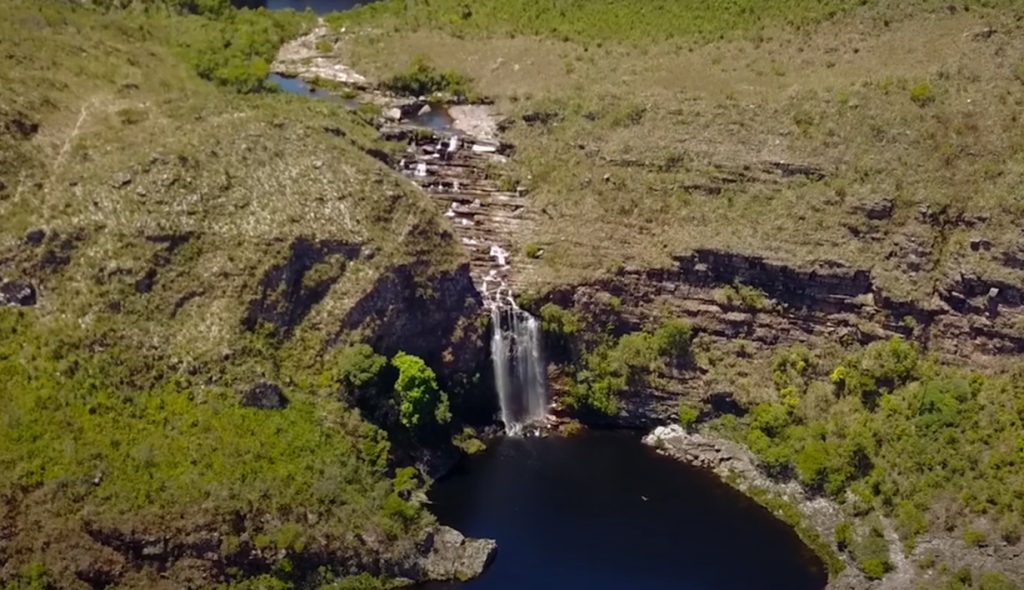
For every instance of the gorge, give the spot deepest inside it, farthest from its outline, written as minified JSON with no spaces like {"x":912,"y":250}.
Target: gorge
{"x":360,"y":297}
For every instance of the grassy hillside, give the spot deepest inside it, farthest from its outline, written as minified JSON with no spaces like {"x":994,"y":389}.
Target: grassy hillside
{"x":186,"y":243}
{"x":664,"y":137}
{"x":614,"y":21}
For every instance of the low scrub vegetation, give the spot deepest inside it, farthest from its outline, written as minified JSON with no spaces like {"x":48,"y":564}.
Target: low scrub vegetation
{"x":902,"y":434}
{"x":423,"y":79}
{"x":604,"y":366}
{"x":184,"y":453}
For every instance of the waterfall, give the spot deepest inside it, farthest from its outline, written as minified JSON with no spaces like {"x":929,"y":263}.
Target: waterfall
{"x":516,"y":355}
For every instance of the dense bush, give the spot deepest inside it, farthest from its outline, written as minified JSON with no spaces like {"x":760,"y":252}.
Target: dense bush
{"x":234,"y":48}
{"x":423,"y":79}
{"x":421,"y":401}
{"x":871,"y":551}
{"x":904,"y":436}
{"x":618,"y":364}
{"x":687,"y":415}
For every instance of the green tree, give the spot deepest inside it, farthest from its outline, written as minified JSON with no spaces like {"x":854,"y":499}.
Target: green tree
{"x":421,"y":402}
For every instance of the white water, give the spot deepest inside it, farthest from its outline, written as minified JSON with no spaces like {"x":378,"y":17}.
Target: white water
{"x":516,"y":355}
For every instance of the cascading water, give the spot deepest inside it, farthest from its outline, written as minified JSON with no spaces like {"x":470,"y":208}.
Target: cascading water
{"x":519,"y":373}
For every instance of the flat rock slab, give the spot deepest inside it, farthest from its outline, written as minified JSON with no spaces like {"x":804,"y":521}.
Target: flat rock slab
{"x":478,"y":120}
{"x":301,"y":58}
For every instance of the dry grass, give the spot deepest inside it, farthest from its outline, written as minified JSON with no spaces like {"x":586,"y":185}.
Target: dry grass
{"x":638,"y":168}
{"x":132,"y":145}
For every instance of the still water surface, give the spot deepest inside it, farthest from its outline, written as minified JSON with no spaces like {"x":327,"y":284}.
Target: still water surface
{"x":317,"y":6}
{"x":604,"y":512}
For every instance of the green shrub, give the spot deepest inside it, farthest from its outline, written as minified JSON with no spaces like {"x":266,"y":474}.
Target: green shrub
{"x":559,"y":322}
{"x":995,"y":581}
{"x":355,"y":367}
{"x":672,"y":339}
{"x":423,"y":79}
{"x":975,"y":537}
{"x":421,"y":402}
{"x":910,"y":521}
{"x":533,"y":250}
{"x":922,"y":94}
{"x":791,"y":368}
{"x":31,"y":577}
{"x":234,"y":48}
{"x":688,"y":415}
{"x":844,"y":535}
{"x":882,"y":367}
{"x":872,"y":554}
{"x":741,"y":296}
{"x":468,"y":441}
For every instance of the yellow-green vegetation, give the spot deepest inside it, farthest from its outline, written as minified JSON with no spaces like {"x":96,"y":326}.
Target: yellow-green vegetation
{"x":687,"y":414}
{"x":929,"y":446}
{"x":607,"y":366}
{"x":422,"y":79}
{"x":75,"y":440}
{"x":965,"y":579}
{"x":422,"y":404}
{"x":740,"y":296}
{"x":189,"y":241}
{"x":468,"y":441}
{"x":598,"y":21}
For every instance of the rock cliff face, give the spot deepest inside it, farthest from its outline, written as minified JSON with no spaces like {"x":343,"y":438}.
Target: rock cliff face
{"x":198,"y":559}
{"x":766,"y":304}
{"x":437,"y":316}
{"x":969,"y":316}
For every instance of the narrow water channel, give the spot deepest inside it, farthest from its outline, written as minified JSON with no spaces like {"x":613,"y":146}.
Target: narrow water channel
{"x":604,"y":512}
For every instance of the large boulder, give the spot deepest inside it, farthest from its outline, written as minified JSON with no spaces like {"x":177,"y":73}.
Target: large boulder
{"x":449,"y":555}
{"x":17,"y":293}
{"x":264,"y":396}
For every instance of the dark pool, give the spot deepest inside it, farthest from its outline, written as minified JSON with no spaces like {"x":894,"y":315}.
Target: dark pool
{"x":603,"y":511}
{"x":317,"y":6}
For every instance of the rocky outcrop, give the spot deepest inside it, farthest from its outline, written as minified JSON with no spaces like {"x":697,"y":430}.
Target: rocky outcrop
{"x":449,"y":555}
{"x":303,"y":58}
{"x":264,"y":396}
{"x":440,"y":554}
{"x":17,"y":293}
{"x":420,"y":312}
{"x":969,"y":316}
{"x":460,"y":173}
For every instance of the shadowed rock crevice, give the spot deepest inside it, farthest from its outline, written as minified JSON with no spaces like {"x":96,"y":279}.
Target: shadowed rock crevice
{"x":288,"y":291}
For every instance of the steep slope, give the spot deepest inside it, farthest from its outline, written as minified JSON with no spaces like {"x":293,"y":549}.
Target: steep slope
{"x":183,"y":273}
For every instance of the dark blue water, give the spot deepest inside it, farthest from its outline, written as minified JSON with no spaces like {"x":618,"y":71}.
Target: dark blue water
{"x":317,"y":6}
{"x":604,"y":512}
